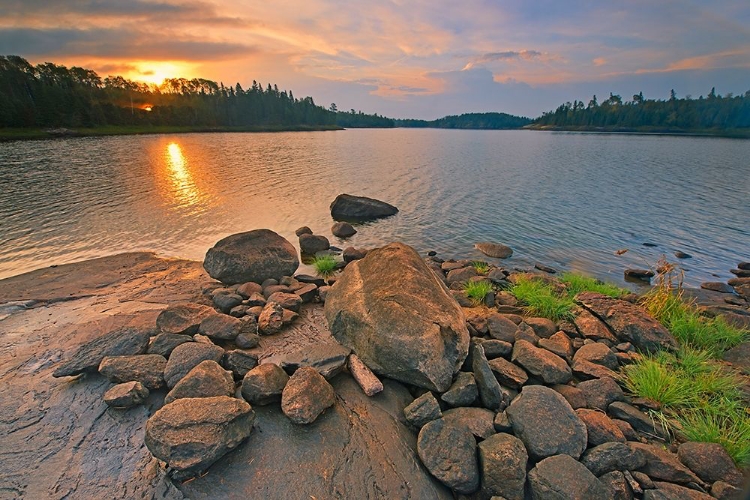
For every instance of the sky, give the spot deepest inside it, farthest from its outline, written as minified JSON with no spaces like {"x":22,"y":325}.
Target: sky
{"x":402,"y":59}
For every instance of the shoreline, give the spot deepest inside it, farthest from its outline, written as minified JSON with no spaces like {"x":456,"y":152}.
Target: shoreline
{"x":726,"y":134}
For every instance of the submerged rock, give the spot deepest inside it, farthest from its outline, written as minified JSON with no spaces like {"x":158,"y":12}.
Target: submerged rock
{"x":495,"y":250}
{"x":343,"y":230}
{"x":346,"y":206}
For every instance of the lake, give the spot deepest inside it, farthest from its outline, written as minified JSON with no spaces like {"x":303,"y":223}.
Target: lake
{"x":568,"y":200}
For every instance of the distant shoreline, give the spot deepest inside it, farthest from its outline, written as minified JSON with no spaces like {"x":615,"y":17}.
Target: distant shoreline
{"x":725,"y":133}
{"x":26,"y":134}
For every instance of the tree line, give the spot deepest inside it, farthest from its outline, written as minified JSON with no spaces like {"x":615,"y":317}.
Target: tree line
{"x":51,"y":95}
{"x":488,"y":121}
{"x":713,"y":112}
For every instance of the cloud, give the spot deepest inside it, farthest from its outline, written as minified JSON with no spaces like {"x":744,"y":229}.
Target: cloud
{"x":508,"y":55}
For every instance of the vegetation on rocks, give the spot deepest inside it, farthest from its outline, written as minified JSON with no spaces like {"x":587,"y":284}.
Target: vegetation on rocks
{"x":325,"y":265}
{"x":480,"y":267}
{"x":477,"y":290}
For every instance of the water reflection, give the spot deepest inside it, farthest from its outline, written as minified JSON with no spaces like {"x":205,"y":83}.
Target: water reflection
{"x":183,"y":190}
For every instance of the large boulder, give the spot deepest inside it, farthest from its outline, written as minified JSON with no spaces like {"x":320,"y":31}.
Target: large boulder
{"x":191,"y":434}
{"x":350,"y":207}
{"x":252,"y":256}
{"x":629,"y":322}
{"x":121,"y":342}
{"x":399,"y":318}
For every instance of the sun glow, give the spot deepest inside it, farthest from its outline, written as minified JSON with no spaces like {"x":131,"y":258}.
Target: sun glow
{"x":184,"y":190}
{"x":157,"y":72}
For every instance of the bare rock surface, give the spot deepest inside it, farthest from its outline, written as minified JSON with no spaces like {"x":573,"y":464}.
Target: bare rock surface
{"x":147,"y":369}
{"x":207,"y":379}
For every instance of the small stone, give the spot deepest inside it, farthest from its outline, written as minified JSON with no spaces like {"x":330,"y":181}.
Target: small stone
{"x":600,"y":393}
{"x":717,"y":286}
{"x":627,"y":429}
{"x":207,"y":379}
{"x":247,"y":340}
{"x":543,"y":327}
{"x":463,"y":392}
{"x":573,"y":395}
{"x":327,"y":359}
{"x":508,"y":373}
{"x":502,"y":424}
{"x":220,"y":326}
{"x":164,"y":343}
{"x":494,"y":250}
{"x":682,"y":255}
{"x":422,"y":410}
{"x":307,"y":292}
{"x":479,"y":421}
{"x":271,"y":319}
{"x":366,"y":379}
{"x":544,"y":268}
{"x":187,"y":356}
{"x":306,"y":396}
{"x":255,"y":299}
{"x":350,"y":254}
{"x":271,"y":289}
{"x":496,"y":348}
{"x":264,"y":384}
{"x":489,"y":389}
{"x":597,"y":353}
{"x":245,"y":290}
{"x":343,"y":230}
{"x":290,"y":301}
{"x":600,"y":428}
{"x":126,"y":395}
{"x":311,"y":244}
{"x":303,"y":230}
{"x":552,"y":369}
{"x":225,"y":302}
{"x":239,"y":362}
{"x":288,"y":317}
{"x":586,"y":370}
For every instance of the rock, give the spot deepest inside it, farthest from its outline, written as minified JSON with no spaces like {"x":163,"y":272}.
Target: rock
{"x":367,"y":380}
{"x":573,"y":395}
{"x":710,"y":461}
{"x":246,"y":290}
{"x":126,"y":395}
{"x":495,"y":348}
{"x":552,"y":369}
{"x":487,"y":385}
{"x":247,"y":340}
{"x":147,"y":369}
{"x":677,"y":492}
{"x":507,"y":373}
{"x":599,"y":427}
{"x":164,"y":343}
{"x":495,"y":250}
{"x":637,"y":419}
{"x":544,"y":268}
{"x":682,"y":255}
{"x":323,"y":292}
{"x":617,"y":483}
{"x":225,"y":302}
{"x":597,"y":353}
{"x":639,"y":274}
{"x":744,"y":265}
{"x":418,"y":335}
{"x":349,"y":207}
{"x":463,"y":392}
{"x":479,"y":421}
{"x":272,"y":288}
{"x":328,"y":359}
{"x":306,"y":396}
{"x":461,"y":276}
{"x":502,"y":424}
{"x":559,"y":344}
{"x":612,"y":456}
{"x":422,"y":410}
{"x":543,"y":327}
{"x":343,"y":230}
{"x":264,"y":384}
{"x":120,"y":342}
{"x":739,"y":357}
{"x":561,"y":477}
{"x":239,"y":362}
{"x":271,"y":319}
{"x":592,"y":327}
{"x":187,"y":356}
{"x":252,"y":256}
{"x":207,"y":379}
{"x":502,"y":461}
{"x":191,"y":434}
{"x":525,"y":332}
{"x":661,"y":464}
{"x":313,"y":243}
{"x":725,"y":491}
{"x":586,"y":370}
{"x":601,"y":392}
{"x":313,"y":280}
{"x":303,"y":230}
{"x":740,"y":273}
{"x":450,"y":454}
{"x":546,"y":423}
{"x":629,"y":323}
{"x":255,"y":300}
{"x":350,"y":254}
{"x":717,"y":286}
{"x":183,"y":318}
{"x":290,"y":301}
{"x":627,"y":429}
{"x":307,"y":293}
{"x":220,"y":327}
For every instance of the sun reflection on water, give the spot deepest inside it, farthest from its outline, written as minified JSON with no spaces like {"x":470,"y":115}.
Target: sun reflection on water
{"x":183,"y":190}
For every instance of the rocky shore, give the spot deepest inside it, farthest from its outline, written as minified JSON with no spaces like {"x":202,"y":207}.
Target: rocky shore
{"x":134,"y":376}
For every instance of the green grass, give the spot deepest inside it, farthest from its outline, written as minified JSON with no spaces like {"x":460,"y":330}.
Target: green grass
{"x":577,"y":283}
{"x":727,"y":426}
{"x":540,"y":299}
{"x":477,"y":290}
{"x":480,"y":267}
{"x":325,"y":265}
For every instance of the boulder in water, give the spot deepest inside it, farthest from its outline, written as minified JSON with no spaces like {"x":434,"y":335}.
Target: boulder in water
{"x":347,"y":206}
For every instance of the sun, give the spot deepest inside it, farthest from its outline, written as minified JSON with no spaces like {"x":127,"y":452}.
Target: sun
{"x":157,"y":72}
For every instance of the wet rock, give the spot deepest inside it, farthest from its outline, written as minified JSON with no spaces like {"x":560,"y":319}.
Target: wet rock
{"x":164,"y":343}
{"x":597,"y":353}
{"x":220,"y":327}
{"x":740,"y":273}
{"x":488,"y":387}
{"x":418,"y":335}
{"x":494,"y":250}
{"x":264,"y":384}
{"x":327,"y":359}
{"x":182,"y":319}
{"x":463,"y":392}
{"x":239,"y":362}
{"x":682,"y":255}
{"x":343,"y":230}
{"x":661,"y":464}
{"x":450,"y":454}
{"x":630,"y":323}
{"x":717,"y":286}
{"x":367,"y":380}
{"x":306,"y":396}
{"x":552,"y":369}
{"x":271,"y":319}
{"x":508,"y":373}
{"x":639,"y":274}
{"x":546,"y":423}
{"x":251,"y":256}
{"x":349,"y":207}
{"x":126,"y":395}
{"x":207,"y":379}
{"x":600,"y":393}
{"x":502,"y":461}
{"x":479,"y":421}
{"x":710,"y":461}
{"x":147,"y":369}
{"x":187,"y":356}
{"x":120,"y":342}
{"x":545,"y":268}
{"x":612,"y":456}
{"x":637,"y":419}
{"x":191,"y":434}
{"x":599,"y":427}
{"x":422,"y":410}
{"x":350,"y":254}
{"x":562,"y":477}
{"x":313,"y":243}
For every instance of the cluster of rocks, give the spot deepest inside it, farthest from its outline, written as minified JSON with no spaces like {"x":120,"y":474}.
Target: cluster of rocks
{"x":738,"y":287}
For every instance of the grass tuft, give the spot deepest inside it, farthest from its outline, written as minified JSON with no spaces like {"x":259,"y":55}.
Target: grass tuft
{"x":325,"y":265}
{"x":477,"y":290}
{"x":577,"y":283}
{"x":540,"y":299}
{"x":480,"y":267}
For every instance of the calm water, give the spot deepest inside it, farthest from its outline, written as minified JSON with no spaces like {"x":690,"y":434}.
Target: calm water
{"x":564,"y":199}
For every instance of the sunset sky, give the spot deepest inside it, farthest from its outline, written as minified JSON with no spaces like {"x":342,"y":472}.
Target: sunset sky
{"x":418,"y":59}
